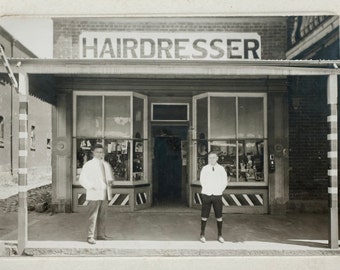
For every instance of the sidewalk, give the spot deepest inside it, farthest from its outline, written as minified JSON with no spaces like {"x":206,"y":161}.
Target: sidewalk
{"x":156,"y":232}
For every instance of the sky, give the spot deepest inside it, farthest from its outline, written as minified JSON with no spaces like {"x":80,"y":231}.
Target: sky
{"x":34,"y":33}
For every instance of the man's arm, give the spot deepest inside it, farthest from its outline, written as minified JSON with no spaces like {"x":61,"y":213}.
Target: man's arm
{"x":224,"y":179}
{"x":203,"y":177}
{"x":83,"y":178}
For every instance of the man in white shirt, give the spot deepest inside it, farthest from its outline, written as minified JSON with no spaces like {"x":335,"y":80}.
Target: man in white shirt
{"x":214,"y":181}
{"x":96,"y":177}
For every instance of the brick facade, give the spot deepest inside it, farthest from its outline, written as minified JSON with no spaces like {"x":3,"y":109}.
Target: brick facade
{"x":272,"y":30}
{"x":308,"y":129}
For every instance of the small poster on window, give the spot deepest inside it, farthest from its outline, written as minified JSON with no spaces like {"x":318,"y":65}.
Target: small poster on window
{"x":124,"y":146}
{"x":139,"y":147}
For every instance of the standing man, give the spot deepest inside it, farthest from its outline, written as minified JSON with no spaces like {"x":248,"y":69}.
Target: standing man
{"x":96,"y":177}
{"x":214,"y":180}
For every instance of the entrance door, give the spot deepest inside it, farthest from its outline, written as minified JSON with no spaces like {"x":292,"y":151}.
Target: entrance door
{"x":169,"y":176}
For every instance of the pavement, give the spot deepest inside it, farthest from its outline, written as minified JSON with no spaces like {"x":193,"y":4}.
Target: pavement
{"x":173,"y":231}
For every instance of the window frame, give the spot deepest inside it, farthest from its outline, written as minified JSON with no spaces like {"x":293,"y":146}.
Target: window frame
{"x":130,"y":139}
{"x":237,"y":139}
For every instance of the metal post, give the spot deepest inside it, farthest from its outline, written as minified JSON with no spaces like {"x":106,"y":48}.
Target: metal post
{"x":332,"y":119}
{"x":23,"y":152}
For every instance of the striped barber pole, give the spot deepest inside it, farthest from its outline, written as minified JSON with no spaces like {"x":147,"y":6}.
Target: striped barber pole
{"x":141,"y":198}
{"x":332,"y":119}
{"x":22,"y":171}
{"x":119,"y":199}
{"x":236,"y":199}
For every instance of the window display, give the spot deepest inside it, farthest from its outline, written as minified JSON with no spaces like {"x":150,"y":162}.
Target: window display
{"x":117,"y":154}
{"x":235,"y":129}
{"x":226,"y":151}
{"x":251,"y":160}
{"x":137,"y":170}
{"x":122,"y":133}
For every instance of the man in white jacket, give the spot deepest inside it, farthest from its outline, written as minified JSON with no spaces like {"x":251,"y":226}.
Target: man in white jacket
{"x":213,"y":180}
{"x":96,"y":177}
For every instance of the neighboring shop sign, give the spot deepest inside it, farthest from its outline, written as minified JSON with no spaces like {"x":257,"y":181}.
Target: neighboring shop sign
{"x":169,"y":46}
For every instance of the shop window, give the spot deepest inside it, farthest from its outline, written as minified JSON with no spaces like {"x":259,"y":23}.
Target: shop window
{"x":118,"y":123}
{"x":32,"y":139}
{"x":89,"y":116}
{"x":235,"y":129}
{"x":2,"y":131}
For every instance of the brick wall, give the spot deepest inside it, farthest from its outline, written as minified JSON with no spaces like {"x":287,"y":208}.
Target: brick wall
{"x":272,"y":30}
{"x":308,"y":129}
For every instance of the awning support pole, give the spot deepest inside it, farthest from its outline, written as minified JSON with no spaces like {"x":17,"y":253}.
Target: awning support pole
{"x":22,"y":172}
{"x":332,"y":119}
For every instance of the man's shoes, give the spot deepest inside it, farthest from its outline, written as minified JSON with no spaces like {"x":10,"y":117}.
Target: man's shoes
{"x":104,"y":237}
{"x":202,"y":239}
{"x":91,"y":240}
{"x":220,"y":239}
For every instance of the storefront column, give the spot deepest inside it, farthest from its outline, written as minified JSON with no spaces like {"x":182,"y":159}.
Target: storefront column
{"x":332,"y":119}
{"x":22,"y":170}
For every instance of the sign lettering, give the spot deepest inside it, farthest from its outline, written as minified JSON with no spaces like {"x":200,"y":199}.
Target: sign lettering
{"x":169,"y":46}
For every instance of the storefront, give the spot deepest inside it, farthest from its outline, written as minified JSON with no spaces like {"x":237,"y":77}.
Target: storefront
{"x":158,"y":128}
{"x":160,"y":100}
{"x":157,"y":149}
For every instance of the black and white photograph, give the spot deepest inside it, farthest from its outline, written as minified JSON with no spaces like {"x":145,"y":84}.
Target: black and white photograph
{"x":156,"y":136}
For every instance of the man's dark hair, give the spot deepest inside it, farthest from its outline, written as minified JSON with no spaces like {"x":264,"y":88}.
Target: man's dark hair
{"x":213,"y":153}
{"x":97,"y":145}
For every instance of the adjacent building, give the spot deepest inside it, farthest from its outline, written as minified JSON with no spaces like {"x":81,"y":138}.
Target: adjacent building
{"x":39,"y":155}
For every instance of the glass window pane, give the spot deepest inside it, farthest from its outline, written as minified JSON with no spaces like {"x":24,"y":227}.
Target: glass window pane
{"x":226,"y":151}
{"x":89,"y":116}
{"x":138,"y":117}
{"x":222,"y":117}
{"x":117,"y":117}
{"x":250,"y":117}
{"x":202,"y":118}
{"x":118,"y":155}
{"x":251,"y":157}
{"x":138,"y":152}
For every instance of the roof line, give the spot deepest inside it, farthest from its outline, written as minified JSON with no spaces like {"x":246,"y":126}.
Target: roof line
{"x":283,"y":62}
{"x":17,"y":43}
